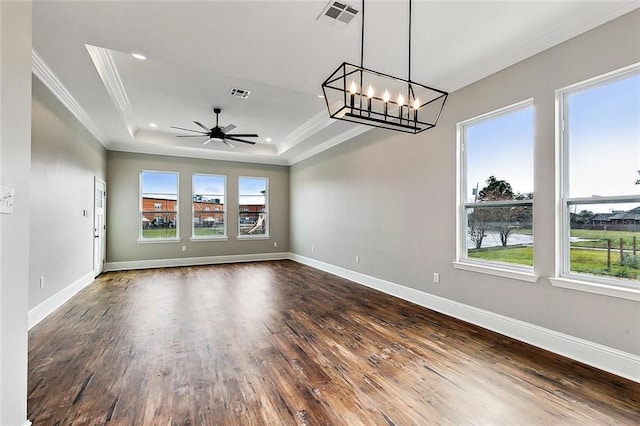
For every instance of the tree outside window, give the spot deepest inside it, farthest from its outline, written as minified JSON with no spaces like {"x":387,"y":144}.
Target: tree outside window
{"x":497,"y":187}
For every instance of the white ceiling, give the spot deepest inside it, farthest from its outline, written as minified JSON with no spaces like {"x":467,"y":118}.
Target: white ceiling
{"x":197,"y":51}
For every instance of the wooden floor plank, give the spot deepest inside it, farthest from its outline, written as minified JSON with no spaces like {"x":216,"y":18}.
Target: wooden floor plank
{"x":281,"y":343}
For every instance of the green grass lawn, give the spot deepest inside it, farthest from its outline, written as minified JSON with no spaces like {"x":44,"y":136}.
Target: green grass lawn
{"x":209,"y":232}
{"x":159,"y":233}
{"x":598,"y":238}
{"x":583,"y":261}
{"x":512,"y":254}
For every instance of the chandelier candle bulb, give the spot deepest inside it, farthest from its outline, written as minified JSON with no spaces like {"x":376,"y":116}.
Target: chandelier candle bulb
{"x":400,"y":104}
{"x":353,"y":89}
{"x":385,"y":98}
{"x":416,"y":107}
{"x":369,"y":96}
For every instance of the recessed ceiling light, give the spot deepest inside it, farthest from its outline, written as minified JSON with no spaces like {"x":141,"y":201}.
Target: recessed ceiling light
{"x":153,"y":125}
{"x":139,"y":56}
{"x":268,"y":139}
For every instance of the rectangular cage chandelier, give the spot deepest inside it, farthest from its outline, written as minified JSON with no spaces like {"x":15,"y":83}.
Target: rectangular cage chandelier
{"x":360,"y":95}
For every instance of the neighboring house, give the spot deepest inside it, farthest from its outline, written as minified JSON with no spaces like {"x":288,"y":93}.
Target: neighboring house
{"x":616,"y":220}
{"x":631,"y":217}
{"x":599,"y":219}
{"x":159,"y":210}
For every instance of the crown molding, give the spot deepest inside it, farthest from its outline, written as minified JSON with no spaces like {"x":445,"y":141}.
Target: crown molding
{"x":305,"y":131}
{"x":42,"y":71}
{"x":184,"y":152}
{"x":108,"y":71}
{"x":354,"y":131}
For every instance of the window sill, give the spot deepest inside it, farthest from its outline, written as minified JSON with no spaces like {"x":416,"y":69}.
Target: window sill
{"x":205,"y":239}
{"x":158,"y":240}
{"x":254,"y":237}
{"x":515,"y":274}
{"x":597,"y":288}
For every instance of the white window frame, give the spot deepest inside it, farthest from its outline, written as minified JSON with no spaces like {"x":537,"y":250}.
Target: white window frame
{"x":266,"y":235}
{"x":141,"y":239}
{"x":607,"y":286}
{"x":223,"y":237}
{"x":518,"y":272}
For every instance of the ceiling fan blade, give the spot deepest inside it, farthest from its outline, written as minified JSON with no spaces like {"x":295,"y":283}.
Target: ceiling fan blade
{"x":190,"y":136}
{"x":207,"y":141}
{"x":189,"y":130}
{"x":228,"y":128}
{"x":227,"y":143}
{"x":202,"y":125}
{"x":243,"y":135}
{"x":238,"y":140}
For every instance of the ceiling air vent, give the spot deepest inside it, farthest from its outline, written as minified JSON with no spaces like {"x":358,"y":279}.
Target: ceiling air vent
{"x":239,"y":93}
{"x":338,"y":13}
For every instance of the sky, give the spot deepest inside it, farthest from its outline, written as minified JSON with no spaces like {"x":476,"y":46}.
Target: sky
{"x":604,"y":138}
{"x":501,"y":147}
{"x":209,"y":186}
{"x":250,"y":190}
{"x":160,"y":185}
{"x":165,"y":185}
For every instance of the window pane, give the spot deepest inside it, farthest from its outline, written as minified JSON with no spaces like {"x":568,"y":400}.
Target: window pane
{"x":500,"y":234}
{"x":603,"y":125}
{"x":253,"y":195}
{"x":605,"y":240}
{"x":159,"y":204}
{"x":498,"y":174}
{"x":501,"y":147}
{"x":208,"y":206}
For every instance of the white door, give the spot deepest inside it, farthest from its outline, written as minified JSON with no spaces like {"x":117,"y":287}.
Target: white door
{"x":99,"y":226}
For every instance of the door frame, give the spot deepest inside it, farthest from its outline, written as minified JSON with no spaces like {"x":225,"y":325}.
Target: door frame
{"x":99,"y":229}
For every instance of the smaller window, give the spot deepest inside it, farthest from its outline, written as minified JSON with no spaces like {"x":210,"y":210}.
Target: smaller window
{"x":209,"y":215}
{"x":253,"y":196}
{"x":496,"y":189}
{"x":158,"y":205}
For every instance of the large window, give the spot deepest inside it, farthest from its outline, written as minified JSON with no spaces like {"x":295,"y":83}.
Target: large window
{"x":253,"y":201}
{"x":496,"y":189}
{"x":599,"y":238}
{"x":209,"y":214}
{"x":158,"y":205}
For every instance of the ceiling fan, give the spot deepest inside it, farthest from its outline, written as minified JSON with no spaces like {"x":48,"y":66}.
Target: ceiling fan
{"x":217,"y":133}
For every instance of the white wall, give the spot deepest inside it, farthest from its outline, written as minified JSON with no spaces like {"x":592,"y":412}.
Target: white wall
{"x":65,"y":158}
{"x":390,"y":198}
{"x":15,"y":129}
{"x":123,"y":218}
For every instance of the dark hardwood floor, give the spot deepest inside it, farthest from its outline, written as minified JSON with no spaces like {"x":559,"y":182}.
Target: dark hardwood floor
{"x":279,"y":343}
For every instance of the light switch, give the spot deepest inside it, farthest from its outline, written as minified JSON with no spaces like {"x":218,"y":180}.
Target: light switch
{"x":6,"y":199}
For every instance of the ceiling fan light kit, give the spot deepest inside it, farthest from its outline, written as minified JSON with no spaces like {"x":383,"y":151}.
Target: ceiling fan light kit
{"x":360,"y":95}
{"x":217,"y":133}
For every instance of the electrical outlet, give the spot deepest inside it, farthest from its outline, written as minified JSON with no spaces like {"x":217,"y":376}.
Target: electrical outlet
{"x":41,"y":282}
{"x":275,"y":244}
{"x":184,"y":248}
{"x":357,"y":259}
{"x":313,"y":249}
{"x":436,"y":277}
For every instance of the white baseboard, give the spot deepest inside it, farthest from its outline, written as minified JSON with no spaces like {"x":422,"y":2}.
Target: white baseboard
{"x":603,"y":357}
{"x":192,"y":261}
{"x":38,"y":313}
